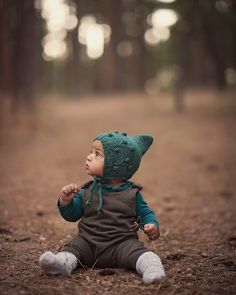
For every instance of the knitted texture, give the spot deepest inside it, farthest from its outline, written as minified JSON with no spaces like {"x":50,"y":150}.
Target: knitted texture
{"x":63,"y":263}
{"x":123,"y":153}
{"x":150,"y":267}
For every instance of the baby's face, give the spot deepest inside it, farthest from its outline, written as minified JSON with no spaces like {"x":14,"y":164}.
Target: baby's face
{"x":94,"y":164}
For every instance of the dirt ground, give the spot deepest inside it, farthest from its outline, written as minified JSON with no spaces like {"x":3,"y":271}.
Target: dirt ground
{"x":188,"y":177}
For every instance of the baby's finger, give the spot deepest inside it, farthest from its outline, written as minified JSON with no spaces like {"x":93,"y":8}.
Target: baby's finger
{"x":74,"y":192}
{"x":67,"y":191}
{"x":76,"y":188}
{"x":64,"y":190}
{"x":71,"y":187}
{"x":147,"y":228}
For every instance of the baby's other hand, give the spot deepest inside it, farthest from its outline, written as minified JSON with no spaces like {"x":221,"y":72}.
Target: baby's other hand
{"x":68,"y":192}
{"x":151,"y":231}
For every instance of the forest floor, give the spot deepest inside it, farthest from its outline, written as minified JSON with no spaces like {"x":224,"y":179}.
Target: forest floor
{"x":189,"y":179}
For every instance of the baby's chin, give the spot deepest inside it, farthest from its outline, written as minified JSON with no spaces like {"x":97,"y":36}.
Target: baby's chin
{"x":89,"y":173}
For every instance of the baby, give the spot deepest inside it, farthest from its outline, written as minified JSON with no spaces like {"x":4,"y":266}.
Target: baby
{"x":110,"y":209}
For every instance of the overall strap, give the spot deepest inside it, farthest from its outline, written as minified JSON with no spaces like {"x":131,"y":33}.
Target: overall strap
{"x":86,"y":184}
{"x":137,"y":186}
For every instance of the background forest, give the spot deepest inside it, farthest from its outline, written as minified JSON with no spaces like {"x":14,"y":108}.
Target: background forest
{"x":74,"y":48}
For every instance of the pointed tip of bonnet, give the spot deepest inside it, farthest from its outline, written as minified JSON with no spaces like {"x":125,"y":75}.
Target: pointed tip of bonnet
{"x":144,"y":142}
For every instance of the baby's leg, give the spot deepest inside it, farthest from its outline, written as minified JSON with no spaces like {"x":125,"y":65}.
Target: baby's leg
{"x":75,"y":253}
{"x":133,"y":254}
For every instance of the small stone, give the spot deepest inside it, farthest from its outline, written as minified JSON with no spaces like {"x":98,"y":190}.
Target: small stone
{"x":204,"y":254}
{"x":230,"y":265}
{"x":107,"y":272}
{"x":232,"y":241}
{"x":87,"y":279}
{"x":39,"y":213}
{"x":42,"y":238}
{"x":23,"y":239}
{"x":176,"y":256}
{"x":189,"y":275}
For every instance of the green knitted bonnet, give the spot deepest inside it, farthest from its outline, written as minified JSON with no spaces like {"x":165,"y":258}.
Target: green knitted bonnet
{"x":123,"y":153}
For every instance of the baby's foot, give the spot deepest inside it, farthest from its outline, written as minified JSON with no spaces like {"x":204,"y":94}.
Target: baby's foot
{"x":150,"y":267}
{"x":153,"y":273}
{"x":62,"y":263}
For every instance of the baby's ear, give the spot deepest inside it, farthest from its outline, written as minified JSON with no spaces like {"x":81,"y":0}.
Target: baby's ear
{"x":144,"y":142}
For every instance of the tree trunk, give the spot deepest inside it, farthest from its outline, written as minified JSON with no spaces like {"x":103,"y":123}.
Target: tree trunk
{"x":24,"y":49}
{"x":5,"y":47}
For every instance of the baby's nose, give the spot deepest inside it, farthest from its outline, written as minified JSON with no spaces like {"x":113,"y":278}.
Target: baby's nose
{"x":89,"y":157}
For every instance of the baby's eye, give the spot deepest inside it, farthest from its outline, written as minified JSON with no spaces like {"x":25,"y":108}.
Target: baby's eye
{"x":97,"y":154}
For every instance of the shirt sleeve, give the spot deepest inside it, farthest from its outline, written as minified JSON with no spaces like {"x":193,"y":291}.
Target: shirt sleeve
{"x":73,"y":211}
{"x":143,"y":212}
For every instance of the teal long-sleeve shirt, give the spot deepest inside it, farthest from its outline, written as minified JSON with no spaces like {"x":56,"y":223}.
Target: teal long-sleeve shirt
{"x":74,"y":211}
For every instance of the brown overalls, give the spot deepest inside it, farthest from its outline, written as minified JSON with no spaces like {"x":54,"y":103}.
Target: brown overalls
{"x":107,"y":240}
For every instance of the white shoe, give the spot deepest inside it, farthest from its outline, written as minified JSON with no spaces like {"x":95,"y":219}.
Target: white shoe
{"x":62,"y":263}
{"x":149,"y":266}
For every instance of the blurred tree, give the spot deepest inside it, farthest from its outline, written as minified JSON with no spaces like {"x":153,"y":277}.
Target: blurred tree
{"x":24,"y":50}
{"x":5,"y":47}
{"x":138,"y":63}
{"x":111,"y":67}
{"x":204,"y":34}
{"x":18,"y":50}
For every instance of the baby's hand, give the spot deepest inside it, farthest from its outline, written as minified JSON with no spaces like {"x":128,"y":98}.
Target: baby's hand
{"x":68,"y":192}
{"x":151,"y":231}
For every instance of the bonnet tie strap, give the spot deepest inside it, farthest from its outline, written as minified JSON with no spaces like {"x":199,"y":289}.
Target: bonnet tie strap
{"x":98,"y":182}
{"x":89,"y":200}
{"x":100,"y":200}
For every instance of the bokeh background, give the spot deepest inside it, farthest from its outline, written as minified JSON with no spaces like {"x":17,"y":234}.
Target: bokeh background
{"x":78,"y":48}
